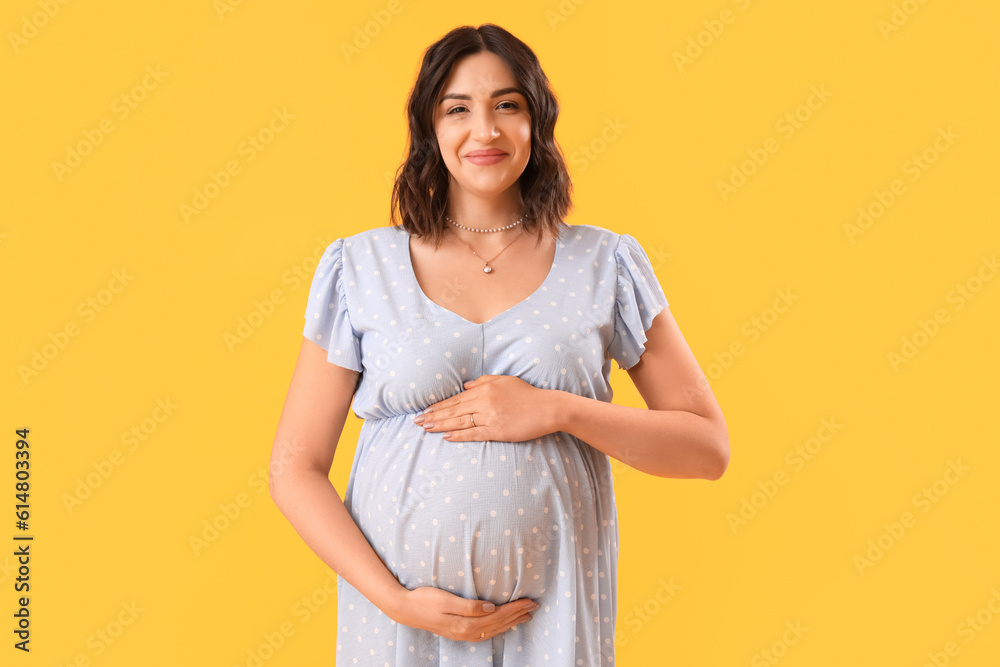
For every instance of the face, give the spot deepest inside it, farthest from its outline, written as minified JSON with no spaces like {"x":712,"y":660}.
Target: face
{"x":481,"y":108}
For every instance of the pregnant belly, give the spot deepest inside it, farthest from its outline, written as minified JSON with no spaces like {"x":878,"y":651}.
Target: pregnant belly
{"x":486,"y":520}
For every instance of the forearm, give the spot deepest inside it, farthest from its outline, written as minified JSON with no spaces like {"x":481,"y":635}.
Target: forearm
{"x":312,"y":505}
{"x":665,"y":443}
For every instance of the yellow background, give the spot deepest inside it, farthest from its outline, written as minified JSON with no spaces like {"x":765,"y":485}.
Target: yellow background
{"x":680,"y":130}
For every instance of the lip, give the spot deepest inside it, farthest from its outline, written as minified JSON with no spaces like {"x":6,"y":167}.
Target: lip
{"x":487,"y":152}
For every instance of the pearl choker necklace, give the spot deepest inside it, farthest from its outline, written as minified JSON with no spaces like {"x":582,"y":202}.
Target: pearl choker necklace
{"x":473,"y":229}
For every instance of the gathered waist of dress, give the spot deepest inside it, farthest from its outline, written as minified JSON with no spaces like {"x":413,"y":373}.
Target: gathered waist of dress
{"x":406,"y":434}
{"x":377,"y":418}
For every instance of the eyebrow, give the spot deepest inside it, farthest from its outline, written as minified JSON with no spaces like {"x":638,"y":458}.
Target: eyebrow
{"x":496,"y":93}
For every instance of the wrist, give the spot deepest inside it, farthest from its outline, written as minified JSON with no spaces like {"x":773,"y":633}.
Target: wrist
{"x":394,"y":602}
{"x":560,"y":407}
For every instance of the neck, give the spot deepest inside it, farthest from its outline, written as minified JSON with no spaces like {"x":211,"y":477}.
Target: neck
{"x":485,"y":240}
{"x":478,"y":213}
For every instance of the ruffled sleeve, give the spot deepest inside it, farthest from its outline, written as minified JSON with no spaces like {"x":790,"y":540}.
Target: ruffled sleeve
{"x":327,"y":320}
{"x":638,"y":299}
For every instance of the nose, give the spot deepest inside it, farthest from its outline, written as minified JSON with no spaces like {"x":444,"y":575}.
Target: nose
{"x":486,"y":128}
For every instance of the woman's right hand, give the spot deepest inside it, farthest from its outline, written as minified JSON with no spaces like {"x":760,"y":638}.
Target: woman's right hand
{"x":457,"y":618}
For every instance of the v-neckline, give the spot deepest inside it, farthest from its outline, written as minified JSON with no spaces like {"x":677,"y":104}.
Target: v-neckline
{"x":427,"y":299}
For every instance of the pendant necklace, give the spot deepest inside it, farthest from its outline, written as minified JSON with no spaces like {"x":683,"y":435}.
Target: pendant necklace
{"x":487,"y":269}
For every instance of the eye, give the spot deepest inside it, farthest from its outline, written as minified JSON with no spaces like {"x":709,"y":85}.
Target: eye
{"x":456,"y":108}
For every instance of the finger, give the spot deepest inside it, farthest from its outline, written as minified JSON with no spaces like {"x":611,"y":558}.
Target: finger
{"x":521,"y":606}
{"x":462,"y":607}
{"x":466,"y":434}
{"x":451,"y":404}
{"x":482,"y":379}
{"x":463,"y":422}
{"x":443,"y":403}
{"x":498,"y":626}
{"x":452,"y":418}
{"x":519,"y":620}
{"x":508,"y":612}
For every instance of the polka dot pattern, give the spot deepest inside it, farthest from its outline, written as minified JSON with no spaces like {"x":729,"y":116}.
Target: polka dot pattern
{"x":489,"y":520}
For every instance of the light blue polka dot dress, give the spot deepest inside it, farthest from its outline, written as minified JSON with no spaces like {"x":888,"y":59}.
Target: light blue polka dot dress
{"x":487,"y":520}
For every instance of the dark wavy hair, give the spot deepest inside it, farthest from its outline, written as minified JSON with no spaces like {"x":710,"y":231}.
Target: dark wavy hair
{"x":420,"y":193}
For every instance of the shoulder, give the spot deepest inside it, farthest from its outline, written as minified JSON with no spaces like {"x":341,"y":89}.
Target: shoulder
{"x":599,"y":239}
{"x":590,"y":233}
{"x":374,"y":236}
{"x":621,"y":243}
{"x":367,"y":240}
{"x":603,"y":241}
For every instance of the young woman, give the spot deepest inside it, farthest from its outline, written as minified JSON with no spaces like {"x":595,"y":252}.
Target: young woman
{"x":475,"y":339}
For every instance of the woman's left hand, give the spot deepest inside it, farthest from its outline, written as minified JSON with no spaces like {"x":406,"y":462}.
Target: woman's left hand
{"x":492,"y":407}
